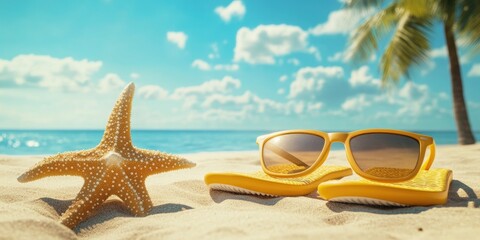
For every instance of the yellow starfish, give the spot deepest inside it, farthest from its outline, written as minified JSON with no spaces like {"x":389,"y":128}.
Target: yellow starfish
{"x":114,"y":167}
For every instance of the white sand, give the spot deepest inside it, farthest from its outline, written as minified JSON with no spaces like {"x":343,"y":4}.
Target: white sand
{"x":184,"y":208}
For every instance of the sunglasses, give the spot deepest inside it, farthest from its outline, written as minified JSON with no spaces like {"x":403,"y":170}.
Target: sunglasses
{"x":376,"y":154}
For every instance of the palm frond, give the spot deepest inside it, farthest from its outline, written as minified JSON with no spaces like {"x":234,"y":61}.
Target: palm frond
{"x":365,"y":39}
{"x":419,"y":8}
{"x":468,"y":11}
{"x":409,"y":46}
{"x":446,"y":10}
{"x":363,"y":4}
{"x":468,"y":25}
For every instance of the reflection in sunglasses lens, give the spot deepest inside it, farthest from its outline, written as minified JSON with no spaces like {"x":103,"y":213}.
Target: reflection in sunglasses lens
{"x":385,"y":155}
{"x":292,"y":153}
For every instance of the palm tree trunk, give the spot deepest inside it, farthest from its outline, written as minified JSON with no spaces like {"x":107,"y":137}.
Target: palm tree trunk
{"x":465,"y":135}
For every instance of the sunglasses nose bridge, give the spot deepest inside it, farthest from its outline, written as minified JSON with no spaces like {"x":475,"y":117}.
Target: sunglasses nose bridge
{"x":338,"y":137}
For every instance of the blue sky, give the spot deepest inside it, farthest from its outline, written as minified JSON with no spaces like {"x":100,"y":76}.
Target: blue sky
{"x":210,"y":65}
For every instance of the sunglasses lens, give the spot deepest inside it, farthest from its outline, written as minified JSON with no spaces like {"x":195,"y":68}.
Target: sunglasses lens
{"x":292,"y":153}
{"x":385,"y":155}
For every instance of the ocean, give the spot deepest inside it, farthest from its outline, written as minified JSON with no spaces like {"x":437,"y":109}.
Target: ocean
{"x":43,"y":142}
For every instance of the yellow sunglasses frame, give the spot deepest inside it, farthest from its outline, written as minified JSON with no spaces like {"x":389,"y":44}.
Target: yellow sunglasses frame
{"x":345,"y":137}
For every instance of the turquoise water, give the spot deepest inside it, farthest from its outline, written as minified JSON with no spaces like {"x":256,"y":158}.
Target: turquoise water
{"x":31,"y":142}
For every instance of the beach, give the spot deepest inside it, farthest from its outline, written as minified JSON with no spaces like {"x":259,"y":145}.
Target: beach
{"x":184,"y":207}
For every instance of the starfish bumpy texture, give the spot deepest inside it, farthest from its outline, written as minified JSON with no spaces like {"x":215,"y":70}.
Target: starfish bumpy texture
{"x":114,"y":167}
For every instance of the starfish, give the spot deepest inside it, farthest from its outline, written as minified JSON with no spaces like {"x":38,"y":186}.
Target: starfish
{"x":114,"y":167}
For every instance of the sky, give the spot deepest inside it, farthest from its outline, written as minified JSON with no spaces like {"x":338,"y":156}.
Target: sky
{"x":258,"y":65}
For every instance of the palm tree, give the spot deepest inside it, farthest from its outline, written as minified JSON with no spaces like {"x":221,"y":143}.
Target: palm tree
{"x":409,"y":22}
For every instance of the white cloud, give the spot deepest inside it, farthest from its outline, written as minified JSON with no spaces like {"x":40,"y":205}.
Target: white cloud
{"x":343,"y":21}
{"x":311,"y":107}
{"x":293,"y":61}
{"x":361,"y":77}
{"x":356,"y":103}
{"x":298,"y":107}
{"x":428,"y":67}
{"x":201,"y":65}
{"x":234,"y":9}
{"x":414,"y":100}
{"x":189,"y":101}
{"x":219,"y":100}
{"x":226,"y":67}
{"x":248,"y":104}
{"x":407,"y":103}
{"x":283,"y":78}
{"x":439,"y":52}
{"x":473,"y":104}
{"x":215,"y":51}
{"x":204,"y":66}
{"x":314,"y":51}
{"x":336,"y":112}
{"x":152,"y":92}
{"x":227,"y":99}
{"x":262,"y":44}
{"x":224,"y":85}
{"x":443,"y":95}
{"x":474,"y":71}
{"x":215,"y":97}
{"x":464,"y":59}
{"x":111,"y":81}
{"x":383,"y":114}
{"x":344,"y":56}
{"x":48,"y":72}
{"x":309,"y":80}
{"x":134,"y":75}
{"x":267,"y":105}
{"x":191,"y":96}
{"x":220,"y":115}
{"x":177,"y":38}
{"x":337,"y":57}
{"x":412,"y":91}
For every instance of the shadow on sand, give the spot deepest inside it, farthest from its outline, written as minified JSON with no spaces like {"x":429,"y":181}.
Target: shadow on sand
{"x":455,"y":199}
{"x":459,"y":195}
{"x":112,"y":208}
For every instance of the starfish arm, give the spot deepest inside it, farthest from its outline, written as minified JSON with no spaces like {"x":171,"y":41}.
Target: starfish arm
{"x":117,"y":133}
{"x":90,"y":197}
{"x":135,"y":196}
{"x":153,"y":162}
{"x":83,"y":206}
{"x":69,"y":163}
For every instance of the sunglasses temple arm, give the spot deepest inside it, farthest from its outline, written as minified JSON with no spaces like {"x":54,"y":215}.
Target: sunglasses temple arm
{"x":279,"y":151}
{"x":430,"y":157}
